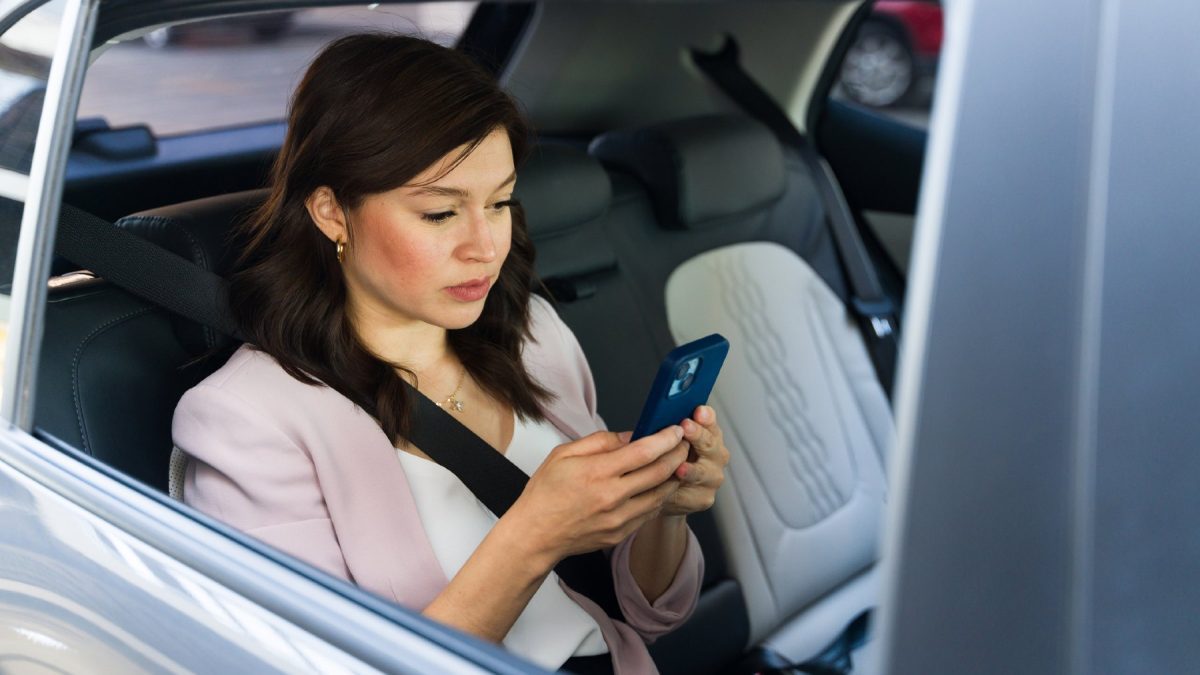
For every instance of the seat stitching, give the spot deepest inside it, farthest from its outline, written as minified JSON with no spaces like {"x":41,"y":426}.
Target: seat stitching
{"x":720,"y":267}
{"x":854,"y":392}
{"x":787,"y":404}
{"x":75,"y":388}
{"x":825,"y":348}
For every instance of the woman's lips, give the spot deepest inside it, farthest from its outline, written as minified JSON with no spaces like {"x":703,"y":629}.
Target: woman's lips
{"x":470,"y":291}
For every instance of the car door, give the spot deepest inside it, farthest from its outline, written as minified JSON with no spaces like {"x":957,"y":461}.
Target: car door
{"x":1047,"y":427}
{"x":98,"y":573}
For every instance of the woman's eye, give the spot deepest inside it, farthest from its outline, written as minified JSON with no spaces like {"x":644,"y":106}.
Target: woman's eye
{"x":500,"y":206}
{"x":439,"y":217}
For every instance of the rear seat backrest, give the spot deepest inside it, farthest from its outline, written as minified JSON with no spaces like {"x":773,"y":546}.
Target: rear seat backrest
{"x":566,"y":195}
{"x":806,"y":420}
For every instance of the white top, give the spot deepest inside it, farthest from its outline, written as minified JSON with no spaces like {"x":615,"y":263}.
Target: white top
{"x":552,"y":628}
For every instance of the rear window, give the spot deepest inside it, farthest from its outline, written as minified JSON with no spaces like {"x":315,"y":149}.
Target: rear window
{"x":237,"y":70}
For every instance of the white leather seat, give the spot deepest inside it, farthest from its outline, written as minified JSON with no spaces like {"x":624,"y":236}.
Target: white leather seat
{"x":809,"y":428}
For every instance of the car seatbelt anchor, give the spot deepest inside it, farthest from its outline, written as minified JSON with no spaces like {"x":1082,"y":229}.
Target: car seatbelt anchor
{"x":879,"y":314}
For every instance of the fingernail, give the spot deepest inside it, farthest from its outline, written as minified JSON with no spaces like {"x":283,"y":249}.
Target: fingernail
{"x":678,"y":432}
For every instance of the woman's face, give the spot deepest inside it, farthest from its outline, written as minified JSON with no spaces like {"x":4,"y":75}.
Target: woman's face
{"x":432,"y":253}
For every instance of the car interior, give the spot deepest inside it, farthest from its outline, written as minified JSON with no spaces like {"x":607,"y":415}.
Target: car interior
{"x":661,"y":211}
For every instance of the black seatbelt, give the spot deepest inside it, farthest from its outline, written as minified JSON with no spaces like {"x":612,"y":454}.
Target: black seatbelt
{"x":143,"y":268}
{"x":497,"y":483}
{"x":177,"y":284}
{"x":874,"y":310}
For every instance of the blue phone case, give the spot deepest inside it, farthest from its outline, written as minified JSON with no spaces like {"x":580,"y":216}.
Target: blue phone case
{"x":685,"y":379}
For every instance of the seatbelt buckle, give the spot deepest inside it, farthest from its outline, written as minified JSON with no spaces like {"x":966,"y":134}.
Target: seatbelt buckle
{"x":880,"y":315}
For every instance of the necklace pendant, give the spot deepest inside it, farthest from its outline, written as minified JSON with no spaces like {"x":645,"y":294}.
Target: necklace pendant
{"x":456,"y":404}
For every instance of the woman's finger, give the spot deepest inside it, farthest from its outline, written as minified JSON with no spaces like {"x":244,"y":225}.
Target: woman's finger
{"x":696,"y":473}
{"x":705,"y":415}
{"x":643,"y":451}
{"x":649,"y":501}
{"x":595,"y":443}
{"x":642,"y":479}
{"x":701,"y":438}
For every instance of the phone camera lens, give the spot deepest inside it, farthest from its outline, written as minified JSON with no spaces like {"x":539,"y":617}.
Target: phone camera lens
{"x":682,"y":371}
{"x":687,"y":381}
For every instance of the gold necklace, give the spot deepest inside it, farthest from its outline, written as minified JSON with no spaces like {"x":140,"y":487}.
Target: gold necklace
{"x":452,"y":402}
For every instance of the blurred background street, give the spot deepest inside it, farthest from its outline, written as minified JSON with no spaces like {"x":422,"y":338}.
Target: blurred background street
{"x":177,"y":81}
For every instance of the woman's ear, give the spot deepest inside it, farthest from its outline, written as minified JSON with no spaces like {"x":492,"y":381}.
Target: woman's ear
{"x":328,"y":215}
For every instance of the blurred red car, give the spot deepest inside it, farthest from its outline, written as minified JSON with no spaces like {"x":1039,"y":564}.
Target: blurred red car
{"x":896,"y":47}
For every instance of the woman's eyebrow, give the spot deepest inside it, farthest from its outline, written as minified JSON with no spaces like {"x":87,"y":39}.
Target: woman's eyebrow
{"x":446,"y":191}
{"x":440,"y":191}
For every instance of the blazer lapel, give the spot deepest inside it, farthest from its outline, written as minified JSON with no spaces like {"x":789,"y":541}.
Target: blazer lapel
{"x":372,"y":508}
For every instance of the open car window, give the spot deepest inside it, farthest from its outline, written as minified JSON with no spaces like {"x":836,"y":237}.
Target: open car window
{"x":892,"y":60}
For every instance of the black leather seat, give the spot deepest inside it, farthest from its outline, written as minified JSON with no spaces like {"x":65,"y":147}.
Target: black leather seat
{"x":113,"y":366}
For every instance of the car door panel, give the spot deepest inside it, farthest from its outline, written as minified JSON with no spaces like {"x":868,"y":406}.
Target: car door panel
{"x":80,"y":594}
{"x":894,"y":231}
{"x":877,"y":159}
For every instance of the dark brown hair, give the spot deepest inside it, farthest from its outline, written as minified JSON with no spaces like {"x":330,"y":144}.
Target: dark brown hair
{"x":372,"y":112}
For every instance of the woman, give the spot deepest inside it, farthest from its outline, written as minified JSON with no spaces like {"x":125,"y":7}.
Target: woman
{"x":390,"y":248}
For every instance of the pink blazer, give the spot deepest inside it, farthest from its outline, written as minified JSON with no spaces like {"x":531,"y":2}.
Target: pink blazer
{"x":303,"y":469}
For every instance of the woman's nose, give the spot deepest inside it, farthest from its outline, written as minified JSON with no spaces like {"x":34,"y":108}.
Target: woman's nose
{"x":480,"y":242}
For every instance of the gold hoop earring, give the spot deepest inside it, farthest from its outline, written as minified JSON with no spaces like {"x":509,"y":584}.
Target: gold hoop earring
{"x":341,"y":251}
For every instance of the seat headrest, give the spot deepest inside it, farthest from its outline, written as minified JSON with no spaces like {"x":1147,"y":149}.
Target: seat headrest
{"x":701,"y":171}
{"x":561,"y":187}
{"x":565,"y":193}
{"x":198,"y":230}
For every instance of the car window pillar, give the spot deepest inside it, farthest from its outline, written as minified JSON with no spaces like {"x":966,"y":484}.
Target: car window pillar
{"x":39,"y":218}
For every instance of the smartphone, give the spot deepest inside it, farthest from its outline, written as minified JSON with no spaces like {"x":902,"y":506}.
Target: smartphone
{"x":684,"y":381}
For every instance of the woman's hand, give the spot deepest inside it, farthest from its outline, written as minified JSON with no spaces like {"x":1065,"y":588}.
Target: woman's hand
{"x":594,"y":492}
{"x":704,"y":470}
